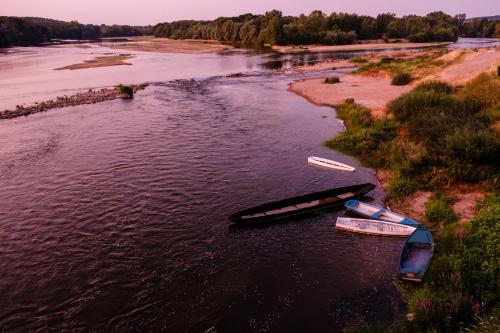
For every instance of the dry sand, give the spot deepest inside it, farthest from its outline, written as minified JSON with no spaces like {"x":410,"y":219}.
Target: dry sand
{"x":354,"y":47}
{"x":103,"y":61}
{"x":372,"y":92}
{"x":467,"y":64}
{"x":165,"y":45}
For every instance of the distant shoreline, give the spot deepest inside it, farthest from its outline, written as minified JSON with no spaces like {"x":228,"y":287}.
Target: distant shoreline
{"x":355,"y":47}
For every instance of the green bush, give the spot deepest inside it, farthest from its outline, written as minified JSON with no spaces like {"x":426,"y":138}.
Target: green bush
{"x":401,"y":79}
{"x":354,"y":115}
{"x":438,"y":87}
{"x":126,"y":90}
{"x":332,"y":80}
{"x":386,"y":60}
{"x":438,"y":212}
{"x":400,"y":187}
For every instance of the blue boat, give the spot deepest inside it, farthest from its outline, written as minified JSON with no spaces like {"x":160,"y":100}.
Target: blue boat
{"x":416,"y":255}
{"x":378,"y":213}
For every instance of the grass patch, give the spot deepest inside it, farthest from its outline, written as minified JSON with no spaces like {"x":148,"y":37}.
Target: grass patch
{"x":438,"y":212}
{"x":417,"y":66}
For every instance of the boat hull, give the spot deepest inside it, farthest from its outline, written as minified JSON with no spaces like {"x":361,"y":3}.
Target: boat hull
{"x":416,"y":255}
{"x":329,"y":164}
{"x":378,"y":213}
{"x":374,"y":227}
{"x":302,"y":204}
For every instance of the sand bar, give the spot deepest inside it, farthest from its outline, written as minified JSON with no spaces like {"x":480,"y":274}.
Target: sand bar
{"x":104,"y":61}
{"x":166,"y":45}
{"x":355,"y":47}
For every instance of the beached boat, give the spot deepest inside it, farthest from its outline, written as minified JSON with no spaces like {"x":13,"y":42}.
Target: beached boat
{"x":378,"y":213}
{"x":302,"y":204}
{"x":416,"y":255}
{"x":329,"y":164}
{"x":374,"y":227}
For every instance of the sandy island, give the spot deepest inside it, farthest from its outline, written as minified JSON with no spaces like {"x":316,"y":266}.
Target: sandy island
{"x":355,"y":47}
{"x":104,"y":61}
{"x":165,"y":45}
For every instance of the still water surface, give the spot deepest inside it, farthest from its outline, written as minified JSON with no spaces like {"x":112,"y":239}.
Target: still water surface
{"x":113,"y":216}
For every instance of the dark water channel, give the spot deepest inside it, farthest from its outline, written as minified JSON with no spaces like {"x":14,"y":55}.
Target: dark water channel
{"x":113,"y":217}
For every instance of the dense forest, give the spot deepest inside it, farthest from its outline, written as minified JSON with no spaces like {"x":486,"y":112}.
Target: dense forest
{"x":22,"y":31}
{"x":337,"y":28}
{"x":256,"y":30}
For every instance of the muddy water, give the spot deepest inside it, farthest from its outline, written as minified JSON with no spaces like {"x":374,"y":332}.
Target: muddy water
{"x":113,"y":216}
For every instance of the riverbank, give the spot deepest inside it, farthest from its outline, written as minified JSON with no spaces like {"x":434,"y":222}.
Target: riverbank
{"x":372,"y":87}
{"x":355,"y":47}
{"x":166,"y":45}
{"x":89,"y":97}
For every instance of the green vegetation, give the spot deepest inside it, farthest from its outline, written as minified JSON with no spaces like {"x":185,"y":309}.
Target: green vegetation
{"x":316,"y":28}
{"x":436,"y":136}
{"x":438,"y":211}
{"x":126,"y":90}
{"x":394,"y":66}
{"x":332,"y":80}
{"x":22,"y":31}
{"x":461,"y":290}
{"x":401,"y":79}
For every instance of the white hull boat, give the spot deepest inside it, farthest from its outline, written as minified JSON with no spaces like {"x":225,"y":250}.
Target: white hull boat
{"x":374,"y":227}
{"x":329,"y":164}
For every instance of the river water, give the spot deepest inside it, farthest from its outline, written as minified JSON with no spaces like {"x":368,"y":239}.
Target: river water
{"x":113,"y":216}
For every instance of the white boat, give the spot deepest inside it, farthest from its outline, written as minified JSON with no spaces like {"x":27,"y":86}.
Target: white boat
{"x":378,"y":213}
{"x":374,"y":227}
{"x":329,"y":164}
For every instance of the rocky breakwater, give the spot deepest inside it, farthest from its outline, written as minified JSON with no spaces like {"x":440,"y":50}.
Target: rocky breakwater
{"x":88,"y":97}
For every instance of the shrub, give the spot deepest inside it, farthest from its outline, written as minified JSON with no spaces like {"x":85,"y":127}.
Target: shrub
{"x":438,"y":212}
{"x":498,"y":71}
{"x":354,"y":115}
{"x":386,"y":60}
{"x":438,"y":87}
{"x":126,"y":90}
{"x":400,"y":187}
{"x":332,"y":80}
{"x":401,"y":79}
{"x":483,"y":91}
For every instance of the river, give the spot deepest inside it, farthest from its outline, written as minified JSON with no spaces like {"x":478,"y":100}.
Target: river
{"x":113,"y":216}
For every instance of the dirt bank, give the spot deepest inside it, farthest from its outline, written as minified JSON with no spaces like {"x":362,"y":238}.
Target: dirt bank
{"x":165,"y":45}
{"x":89,"y":97}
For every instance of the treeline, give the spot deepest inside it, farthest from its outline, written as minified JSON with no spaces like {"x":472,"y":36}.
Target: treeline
{"x":480,"y":28}
{"x":23,"y":31}
{"x":317,"y":28}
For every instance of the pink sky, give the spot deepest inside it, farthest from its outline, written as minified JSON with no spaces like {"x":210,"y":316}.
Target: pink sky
{"x":142,"y":12}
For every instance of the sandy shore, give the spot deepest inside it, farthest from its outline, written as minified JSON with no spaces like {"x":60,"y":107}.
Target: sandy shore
{"x":165,"y":45}
{"x":89,"y":97}
{"x":375,"y":91}
{"x":372,"y":92}
{"x":104,"y":61}
{"x":354,"y":47}
{"x":324,"y":65}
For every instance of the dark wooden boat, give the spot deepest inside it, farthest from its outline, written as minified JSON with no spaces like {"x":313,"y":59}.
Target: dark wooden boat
{"x":301,"y":204}
{"x":416,"y":255}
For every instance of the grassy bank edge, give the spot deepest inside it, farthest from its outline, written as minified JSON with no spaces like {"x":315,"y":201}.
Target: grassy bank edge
{"x":462,"y":250}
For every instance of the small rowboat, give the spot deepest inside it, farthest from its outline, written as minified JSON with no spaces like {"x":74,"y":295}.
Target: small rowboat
{"x":416,"y":255}
{"x":378,"y":213}
{"x":329,"y":164}
{"x":302,"y":204}
{"x":374,"y":227}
